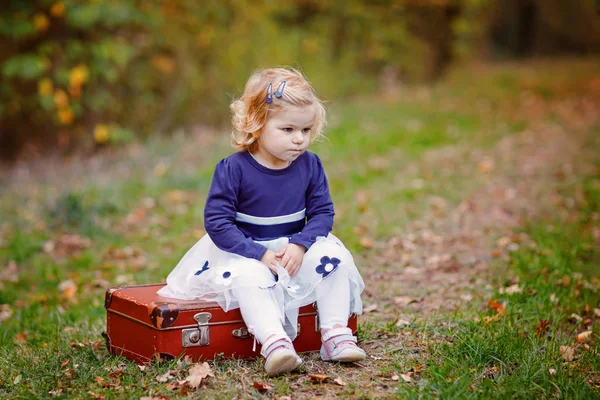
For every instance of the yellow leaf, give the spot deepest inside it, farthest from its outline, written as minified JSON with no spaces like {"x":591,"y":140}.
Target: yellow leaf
{"x":101,"y":134}
{"x":45,"y":87}
{"x":57,"y":10}
{"x":66,"y":116}
{"x":40,"y":22}
{"x":164,"y":64}
{"x":60,"y":98}
{"x":78,"y":75}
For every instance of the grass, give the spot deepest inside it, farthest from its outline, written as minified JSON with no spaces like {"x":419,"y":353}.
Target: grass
{"x":522,"y":352}
{"x":133,"y":215}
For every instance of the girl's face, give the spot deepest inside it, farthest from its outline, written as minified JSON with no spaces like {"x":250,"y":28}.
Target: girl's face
{"x":285,"y":136}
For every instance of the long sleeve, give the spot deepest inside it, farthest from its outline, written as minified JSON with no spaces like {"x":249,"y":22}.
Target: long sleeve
{"x":220,"y":212}
{"x":319,"y":208}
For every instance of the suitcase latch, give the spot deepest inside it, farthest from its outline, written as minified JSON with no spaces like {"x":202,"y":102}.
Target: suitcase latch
{"x":200,"y":336}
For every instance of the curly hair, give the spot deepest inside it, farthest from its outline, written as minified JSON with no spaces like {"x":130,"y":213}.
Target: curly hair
{"x":251,"y":111}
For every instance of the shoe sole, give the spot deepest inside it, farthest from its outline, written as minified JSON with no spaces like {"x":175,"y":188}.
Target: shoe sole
{"x":346,"y":355}
{"x":282,"y":363}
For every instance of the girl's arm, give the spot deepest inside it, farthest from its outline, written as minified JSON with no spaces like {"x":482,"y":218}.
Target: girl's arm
{"x":319,"y":208}
{"x":219,"y":214}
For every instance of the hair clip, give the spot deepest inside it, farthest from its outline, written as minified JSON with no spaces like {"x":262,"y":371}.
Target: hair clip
{"x":269,"y":98}
{"x":280,"y":88}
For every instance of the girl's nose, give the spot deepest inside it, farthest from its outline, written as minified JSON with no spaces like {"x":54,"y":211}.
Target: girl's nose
{"x":298,"y":138}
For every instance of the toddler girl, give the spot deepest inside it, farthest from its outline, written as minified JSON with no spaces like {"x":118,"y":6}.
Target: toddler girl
{"x":268,"y":217}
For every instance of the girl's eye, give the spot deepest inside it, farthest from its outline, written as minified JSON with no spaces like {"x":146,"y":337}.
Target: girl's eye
{"x":306,"y":130}
{"x":288,"y":130}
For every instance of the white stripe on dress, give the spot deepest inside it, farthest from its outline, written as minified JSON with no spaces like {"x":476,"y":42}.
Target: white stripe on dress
{"x":281,"y":219}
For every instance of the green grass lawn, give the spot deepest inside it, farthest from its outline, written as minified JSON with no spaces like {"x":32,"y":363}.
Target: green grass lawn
{"x":131,"y":215}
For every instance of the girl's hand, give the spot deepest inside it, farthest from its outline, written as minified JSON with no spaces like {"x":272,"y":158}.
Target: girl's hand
{"x":270,"y":259}
{"x":291,"y":257}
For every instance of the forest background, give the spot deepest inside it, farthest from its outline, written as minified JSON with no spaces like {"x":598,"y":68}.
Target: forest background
{"x":80,"y":75}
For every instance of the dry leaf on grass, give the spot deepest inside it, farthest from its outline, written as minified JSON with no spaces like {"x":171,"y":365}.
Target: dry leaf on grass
{"x":101,"y":381}
{"x":197,"y":373}
{"x":317,"y":378}
{"x":568,"y":353}
{"x":552,"y":371}
{"x":164,"y":377}
{"x":494,"y":305}
{"x":339,"y":381}
{"x":67,"y":290}
{"x":261,"y":387}
{"x":406,"y":378}
{"x":5,"y":312}
{"x":395,"y":377}
{"x":95,"y":396}
{"x":582,"y":336}
{"x":402,"y":322}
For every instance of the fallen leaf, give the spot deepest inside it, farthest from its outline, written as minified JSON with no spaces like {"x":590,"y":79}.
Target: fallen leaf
{"x":318,"y":378}
{"x":116,"y":373}
{"x":68,"y":289}
{"x":100,"y":380}
{"x":466,"y":297}
{"x":512,"y":289}
{"x":366,"y":242}
{"x":404,"y":300}
{"x":582,"y":336}
{"x":597,"y":312}
{"x":361,"y":197}
{"x":142,"y":367}
{"x":261,"y":387}
{"x":17,"y":379}
{"x":486,"y":165}
{"x":552,"y":371}
{"x":553,"y":298}
{"x":542,"y":328}
{"x":96,"y":396}
{"x":370,"y":308}
{"x":494,"y":305}
{"x":339,"y":381}
{"x":54,"y":393}
{"x":65,"y":363}
{"x":402,"y":322}
{"x":10,"y":273}
{"x":5,"y":312}
{"x":197,"y":373}
{"x":395,"y":377}
{"x":496,"y":253}
{"x":576,"y":317}
{"x":20,"y":338}
{"x":568,"y":353}
{"x":164,"y":377}
{"x":406,"y":378}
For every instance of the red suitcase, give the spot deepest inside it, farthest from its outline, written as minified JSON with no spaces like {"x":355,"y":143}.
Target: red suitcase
{"x":142,"y":326}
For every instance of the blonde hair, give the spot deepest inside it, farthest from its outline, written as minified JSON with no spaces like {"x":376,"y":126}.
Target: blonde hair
{"x":251,"y":111}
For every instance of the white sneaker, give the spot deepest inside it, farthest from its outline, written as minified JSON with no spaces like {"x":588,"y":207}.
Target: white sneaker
{"x":280,"y":356}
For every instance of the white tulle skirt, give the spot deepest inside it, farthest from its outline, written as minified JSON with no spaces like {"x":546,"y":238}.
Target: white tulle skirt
{"x":211,"y":274}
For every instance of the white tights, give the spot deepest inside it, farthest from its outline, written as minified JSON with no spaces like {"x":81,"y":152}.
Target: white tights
{"x":262,"y":315}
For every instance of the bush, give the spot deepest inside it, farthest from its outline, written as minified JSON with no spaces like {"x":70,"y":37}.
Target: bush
{"x":94,"y":72}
